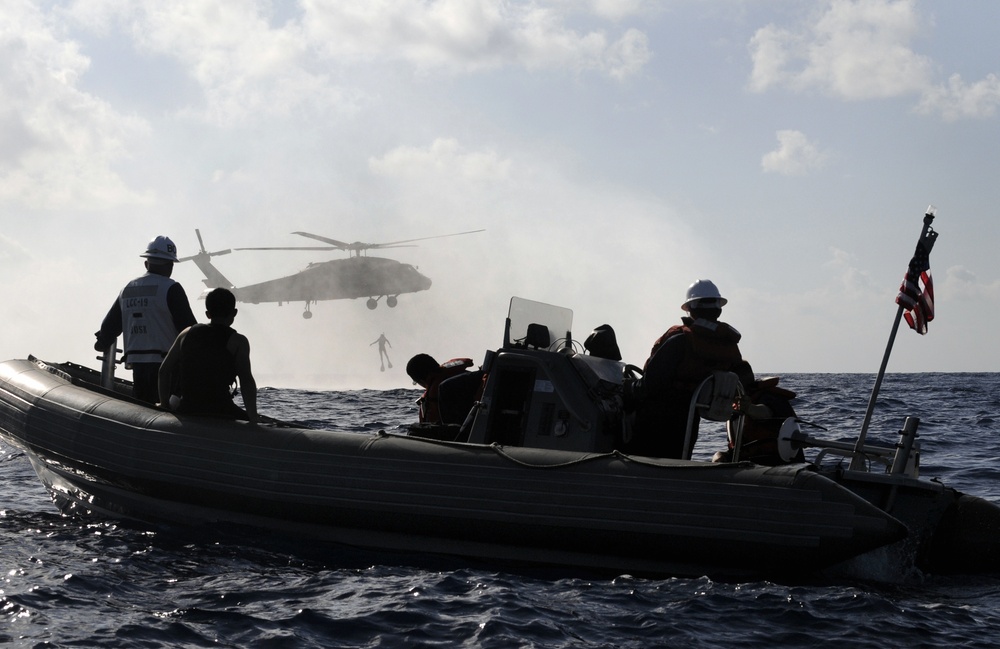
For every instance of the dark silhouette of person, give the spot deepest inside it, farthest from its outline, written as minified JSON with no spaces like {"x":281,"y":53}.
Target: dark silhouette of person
{"x":207,"y":359}
{"x":680,"y":360}
{"x":429,"y":374}
{"x":383,"y":355}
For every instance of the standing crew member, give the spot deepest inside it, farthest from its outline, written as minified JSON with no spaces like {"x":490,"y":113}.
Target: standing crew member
{"x":149,"y":312}
{"x":208,"y":358}
{"x":680,"y":360}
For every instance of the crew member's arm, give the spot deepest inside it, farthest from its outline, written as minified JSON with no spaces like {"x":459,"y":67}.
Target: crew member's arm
{"x":248,"y":385}
{"x":660,"y":369}
{"x":168,"y":370}
{"x":111,"y":327}
{"x":745,"y":373}
{"x":180,"y":308}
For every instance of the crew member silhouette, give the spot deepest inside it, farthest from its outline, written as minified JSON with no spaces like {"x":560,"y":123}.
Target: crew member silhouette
{"x":383,"y":355}
{"x":148,"y":313}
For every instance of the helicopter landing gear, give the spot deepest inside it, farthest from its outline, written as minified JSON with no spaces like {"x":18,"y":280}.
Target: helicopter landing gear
{"x":373,"y":302}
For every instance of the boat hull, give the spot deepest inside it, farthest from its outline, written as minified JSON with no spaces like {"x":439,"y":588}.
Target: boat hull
{"x":99,"y":454}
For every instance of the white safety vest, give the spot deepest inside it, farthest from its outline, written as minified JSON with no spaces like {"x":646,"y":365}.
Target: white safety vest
{"x":147,"y":326}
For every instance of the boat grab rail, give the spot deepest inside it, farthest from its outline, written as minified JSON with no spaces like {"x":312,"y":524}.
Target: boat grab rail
{"x":901,"y":458}
{"x":583,"y":458}
{"x":500,"y":450}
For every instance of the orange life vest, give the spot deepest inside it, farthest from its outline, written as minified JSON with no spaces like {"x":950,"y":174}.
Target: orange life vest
{"x":711,"y":346}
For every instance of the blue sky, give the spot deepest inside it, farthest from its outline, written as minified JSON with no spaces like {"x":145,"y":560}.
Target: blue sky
{"x":614,"y":151}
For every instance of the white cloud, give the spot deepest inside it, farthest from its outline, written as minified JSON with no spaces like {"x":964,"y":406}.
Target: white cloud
{"x":627,"y":55}
{"x":251,"y":65}
{"x":960,"y":283}
{"x":860,"y":49}
{"x":444,"y":159}
{"x":247,"y":69}
{"x":957,"y":99}
{"x":795,"y":155}
{"x":11,"y":251}
{"x":60,"y":144}
{"x":467,"y":35}
{"x":855,"y":50}
{"x":611,"y":9}
{"x":771,"y":52}
{"x":842,"y":267}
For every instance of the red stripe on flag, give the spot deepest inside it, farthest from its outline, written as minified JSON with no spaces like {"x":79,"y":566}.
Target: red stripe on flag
{"x":916,"y":296}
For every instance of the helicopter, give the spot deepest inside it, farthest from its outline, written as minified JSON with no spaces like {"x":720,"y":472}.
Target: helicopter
{"x":358,"y":276}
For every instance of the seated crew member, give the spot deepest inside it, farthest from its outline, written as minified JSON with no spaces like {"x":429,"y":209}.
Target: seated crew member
{"x":207,"y":359}
{"x":680,"y":360}
{"x":427,"y":373}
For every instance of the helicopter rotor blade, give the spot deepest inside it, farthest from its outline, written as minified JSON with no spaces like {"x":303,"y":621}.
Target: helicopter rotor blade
{"x":294,"y":248}
{"x":339,"y":245}
{"x":358,"y":246}
{"x":210,"y":254}
{"x":394,"y":244}
{"x":315,"y":247}
{"x":355,"y":247}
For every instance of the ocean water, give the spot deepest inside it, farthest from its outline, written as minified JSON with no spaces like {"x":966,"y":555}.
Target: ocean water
{"x":74,"y":583}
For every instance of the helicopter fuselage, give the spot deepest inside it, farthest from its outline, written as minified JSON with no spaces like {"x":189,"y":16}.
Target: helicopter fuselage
{"x":357,"y":277}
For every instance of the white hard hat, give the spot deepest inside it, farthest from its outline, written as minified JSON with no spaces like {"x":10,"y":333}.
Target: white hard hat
{"x":161,"y":248}
{"x":703,"y":289}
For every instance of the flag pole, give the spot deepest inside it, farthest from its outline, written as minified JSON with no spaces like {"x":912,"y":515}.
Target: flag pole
{"x":927,"y":238}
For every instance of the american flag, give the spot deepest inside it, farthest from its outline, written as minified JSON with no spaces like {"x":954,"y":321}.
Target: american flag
{"x":916,"y":293}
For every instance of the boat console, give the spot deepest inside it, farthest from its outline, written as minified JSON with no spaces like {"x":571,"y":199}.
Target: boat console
{"x":542,"y":393}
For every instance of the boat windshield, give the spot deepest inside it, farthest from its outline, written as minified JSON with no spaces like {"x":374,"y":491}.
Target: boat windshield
{"x":523,"y":317}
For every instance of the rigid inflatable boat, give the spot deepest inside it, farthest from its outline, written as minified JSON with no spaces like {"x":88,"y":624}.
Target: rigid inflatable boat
{"x":535,"y":478}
